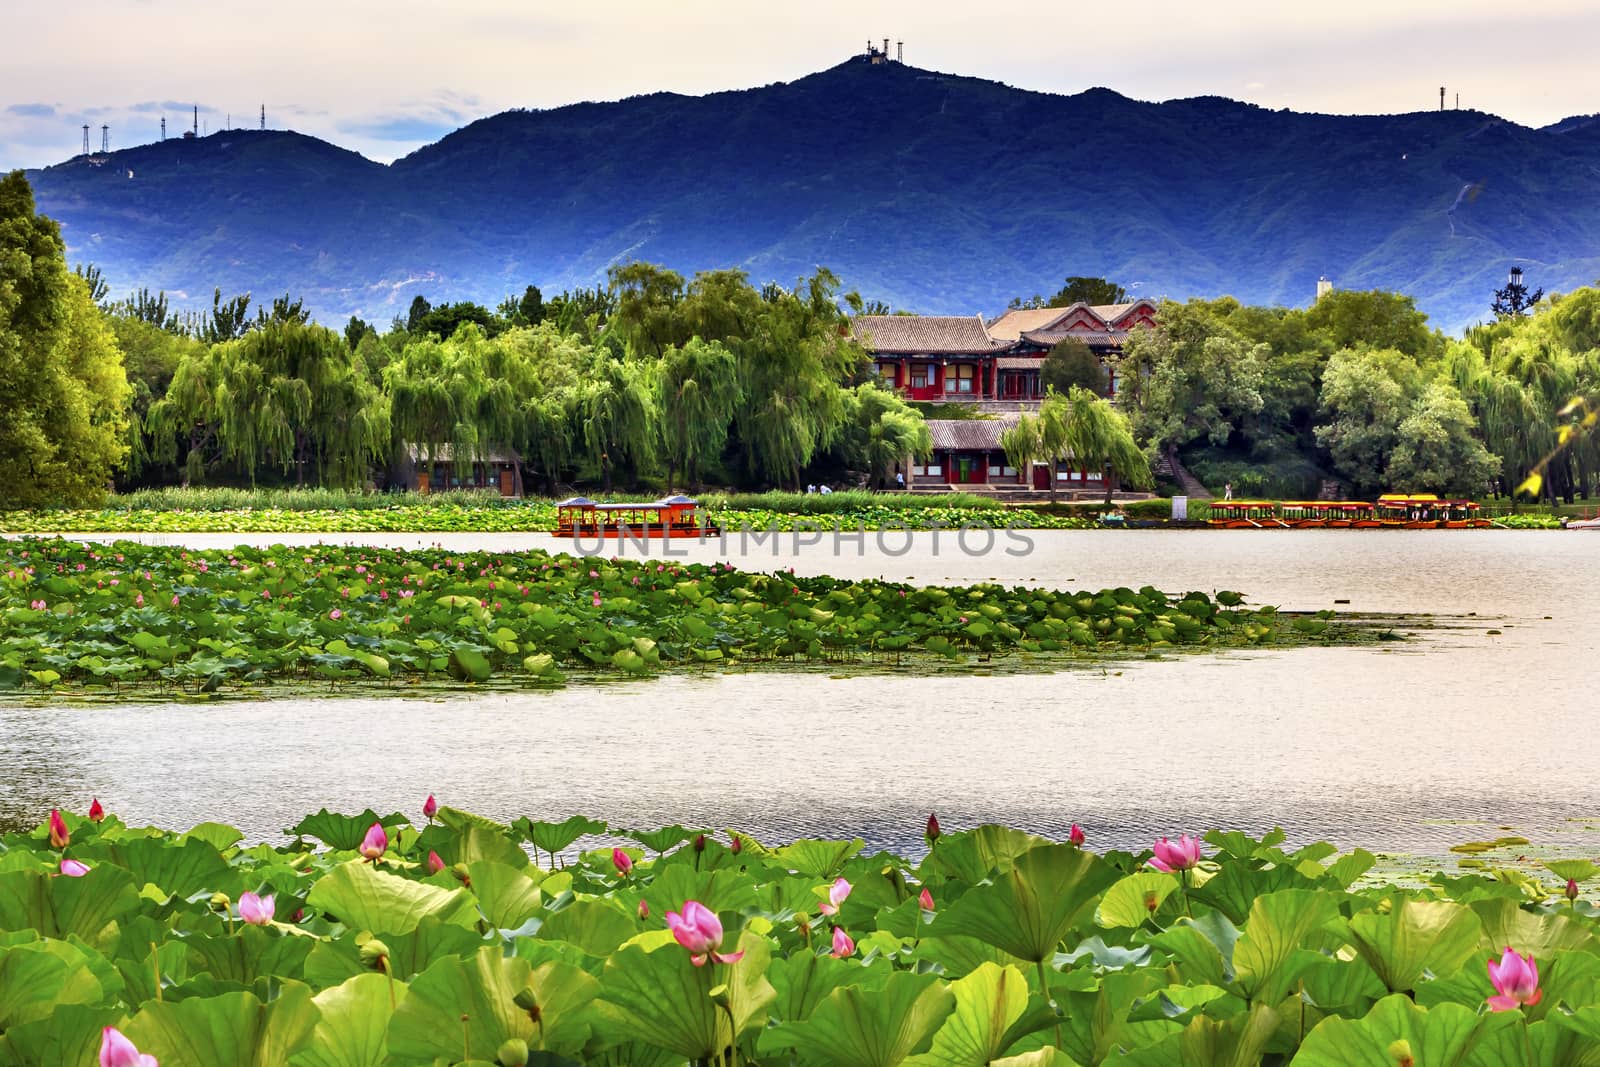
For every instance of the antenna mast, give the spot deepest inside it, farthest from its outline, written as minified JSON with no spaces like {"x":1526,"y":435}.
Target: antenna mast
{"x":1441,"y":98}
{"x":85,"y":138}
{"x":163,"y":127}
{"x":263,"y":116}
{"x":105,"y":139}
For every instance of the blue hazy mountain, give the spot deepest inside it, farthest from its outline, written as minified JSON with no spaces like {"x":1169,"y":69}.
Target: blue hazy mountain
{"x":936,"y":193}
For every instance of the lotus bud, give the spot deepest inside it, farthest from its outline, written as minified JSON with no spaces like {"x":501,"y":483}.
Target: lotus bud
{"x":461,"y":873}
{"x":513,"y":1053}
{"x":738,"y":844}
{"x":430,"y":808}
{"x":622,"y":861}
{"x":117,"y":1051}
{"x":375,"y":843}
{"x":96,"y":812}
{"x":1075,"y":836}
{"x":528,"y":1001}
{"x":1572,"y":889}
{"x":933,"y":829}
{"x":220,"y":901}
{"x":60,"y":836}
{"x":1400,"y":1051}
{"x":257,"y":910}
{"x":375,"y":954}
{"x":644,"y":910}
{"x":699,"y":842}
{"x":435,"y":863}
{"x":925,"y":900}
{"x":842,"y":945}
{"x":803,"y":924}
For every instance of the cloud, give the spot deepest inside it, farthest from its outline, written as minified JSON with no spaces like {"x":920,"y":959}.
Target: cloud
{"x":32,"y":111}
{"x":402,"y":128}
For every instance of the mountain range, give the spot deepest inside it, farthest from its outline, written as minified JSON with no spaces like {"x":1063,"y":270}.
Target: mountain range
{"x":932,"y":192}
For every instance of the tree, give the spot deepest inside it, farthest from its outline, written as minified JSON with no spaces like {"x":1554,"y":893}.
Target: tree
{"x":1349,"y":318}
{"x":881,"y":430}
{"x":647,"y":301}
{"x":1022,"y":445}
{"x":418,"y":311}
{"x":1071,"y":363}
{"x":1435,"y":450}
{"x":355,"y":330}
{"x":699,"y":392}
{"x":151,"y":357}
{"x":1075,"y":289}
{"x":1362,"y":404}
{"x":1096,"y":436}
{"x":229,"y":318}
{"x":63,"y":391}
{"x":617,"y":404}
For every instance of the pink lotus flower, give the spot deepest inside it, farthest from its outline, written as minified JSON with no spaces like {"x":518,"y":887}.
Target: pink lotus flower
{"x":837,"y":893}
{"x":1173,"y":856}
{"x":842,"y":945}
{"x":266,"y":594}
{"x":597,"y":600}
{"x":118,"y":1051}
{"x":174,"y":599}
{"x":644,"y":910}
{"x":60,"y":836}
{"x":257,"y":910}
{"x":430,"y":807}
{"x":335,"y":614}
{"x":1516,"y":981}
{"x":925,"y":900}
{"x":932,"y":832}
{"x":1075,"y":836}
{"x":376,"y":841}
{"x":699,"y":930}
{"x":435,"y":863}
{"x":96,"y":812}
{"x":74,"y":869}
{"x":1572,"y":889}
{"x":623,"y":861}
{"x":138,"y":601}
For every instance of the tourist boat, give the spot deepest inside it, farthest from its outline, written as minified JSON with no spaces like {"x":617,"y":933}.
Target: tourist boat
{"x":675,"y":516}
{"x":1408,"y":511}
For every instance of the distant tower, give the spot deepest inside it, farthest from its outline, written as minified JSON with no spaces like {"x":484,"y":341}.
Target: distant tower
{"x":263,"y":116}
{"x":163,"y":127}
{"x":1441,"y":98}
{"x":105,"y":139}
{"x":197,"y":120}
{"x":899,"y":51}
{"x":1324,"y":287}
{"x":85,"y":138}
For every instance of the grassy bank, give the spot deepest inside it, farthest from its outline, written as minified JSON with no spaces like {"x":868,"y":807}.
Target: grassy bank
{"x":409,"y":941}
{"x":112,"y":617}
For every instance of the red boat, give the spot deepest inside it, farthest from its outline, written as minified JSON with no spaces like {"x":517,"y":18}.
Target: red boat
{"x":676,"y":516}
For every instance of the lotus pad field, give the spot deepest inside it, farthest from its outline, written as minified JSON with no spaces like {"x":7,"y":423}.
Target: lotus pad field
{"x":109,"y":617}
{"x":375,"y":940}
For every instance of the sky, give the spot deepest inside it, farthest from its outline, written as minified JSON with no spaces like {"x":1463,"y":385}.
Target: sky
{"x":385,"y":78}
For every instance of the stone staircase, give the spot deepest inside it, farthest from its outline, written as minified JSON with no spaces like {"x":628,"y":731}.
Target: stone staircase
{"x":1168,"y":465}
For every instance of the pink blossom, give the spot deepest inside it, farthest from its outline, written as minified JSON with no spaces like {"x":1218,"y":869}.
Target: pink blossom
{"x":96,"y":812}
{"x":435,"y":863}
{"x":1177,"y":855}
{"x":597,"y":600}
{"x":257,"y":910}
{"x":837,"y":893}
{"x":74,"y":869}
{"x":699,"y":930}
{"x":138,"y":601}
{"x":335,"y":614}
{"x":644,"y":910}
{"x":842,"y":945}
{"x":925,"y":900}
{"x":622,"y":861}
{"x":1075,"y":836}
{"x":118,"y":1051}
{"x":60,"y":836}
{"x":376,"y":841}
{"x":174,"y":599}
{"x":430,"y":807}
{"x":1516,"y":981}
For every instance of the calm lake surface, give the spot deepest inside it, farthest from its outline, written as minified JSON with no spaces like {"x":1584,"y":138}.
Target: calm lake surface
{"x":1391,"y":747}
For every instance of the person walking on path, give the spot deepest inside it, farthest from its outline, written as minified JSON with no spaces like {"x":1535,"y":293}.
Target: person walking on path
{"x":1227,"y":491}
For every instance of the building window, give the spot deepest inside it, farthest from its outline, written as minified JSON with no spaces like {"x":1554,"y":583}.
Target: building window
{"x":1000,"y":470}
{"x":886,"y":373}
{"x":962,"y":382}
{"x":921,"y":375}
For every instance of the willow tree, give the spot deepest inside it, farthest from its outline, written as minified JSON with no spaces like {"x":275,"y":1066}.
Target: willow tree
{"x":698,"y":384}
{"x":617,"y":407}
{"x":1022,"y":446}
{"x":443,"y":402}
{"x":791,"y":369}
{"x":881,"y":430}
{"x":1096,"y":436}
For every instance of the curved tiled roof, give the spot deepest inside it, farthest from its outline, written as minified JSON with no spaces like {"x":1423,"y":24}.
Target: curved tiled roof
{"x":969,"y":434}
{"x":925,"y":334}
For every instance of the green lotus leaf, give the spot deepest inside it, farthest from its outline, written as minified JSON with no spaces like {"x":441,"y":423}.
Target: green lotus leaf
{"x":484,"y":988}
{"x":342,"y":832}
{"x":553,"y":837}
{"x":973,"y":855}
{"x":34,"y":978}
{"x":1271,"y":946}
{"x":247,"y":954}
{"x":69,"y":1034}
{"x":1028,"y":910}
{"x":1134,"y":899}
{"x":353,"y":1024}
{"x":720,"y":890}
{"x":1539,"y":935}
{"x":364,"y":898}
{"x":86,"y":907}
{"x":597,"y":927}
{"x":655,"y":994}
{"x":988,"y":1002}
{"x":507,"y":896}
{"x":1396,"y":1029}
{"x":178,"y":868}
{"x":470,"y":665}
{"x":802,"y":980}
{"x":229,"y":1030}
{"x":1048,"y":1056}
{"x":218,"y":835}
{"x":884,"y":1027}
{"x":1416,"y":936}
{"x":331,"y":963}
{"x":819,"y":859}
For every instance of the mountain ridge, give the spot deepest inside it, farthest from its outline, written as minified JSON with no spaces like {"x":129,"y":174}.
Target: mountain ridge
{"x":937,"y":192}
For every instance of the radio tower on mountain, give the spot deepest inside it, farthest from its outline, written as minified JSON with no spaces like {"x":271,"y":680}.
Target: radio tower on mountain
{"x":263,"y":116}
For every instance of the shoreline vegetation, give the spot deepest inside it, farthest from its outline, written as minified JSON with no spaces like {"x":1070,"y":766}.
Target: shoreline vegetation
{"x":119,"y":619}
{"x":257,"y":511}
{"x":450,"y":938}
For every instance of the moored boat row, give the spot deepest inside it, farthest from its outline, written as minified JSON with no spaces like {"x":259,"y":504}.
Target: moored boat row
{"x":1399,"y":511}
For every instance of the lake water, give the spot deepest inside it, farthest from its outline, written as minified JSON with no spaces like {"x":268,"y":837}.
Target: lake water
{"x":1389,"y":747}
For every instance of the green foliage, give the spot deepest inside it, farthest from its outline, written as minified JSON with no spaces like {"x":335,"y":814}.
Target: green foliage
{"x":1038,"y":955}
{"x":380,"y":617}
{"x":1072,"y":364}
{"x":63,"y":391}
